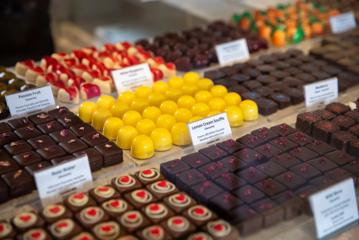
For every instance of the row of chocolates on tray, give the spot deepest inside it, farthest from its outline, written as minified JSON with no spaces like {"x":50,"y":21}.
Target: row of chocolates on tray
{"x":275,"y":81}
{"x":263,"y":177}
{"x":44,"y":139}
{"x":336,"y":124}
{"x":143,"y":205}
{"x":86,"y":73}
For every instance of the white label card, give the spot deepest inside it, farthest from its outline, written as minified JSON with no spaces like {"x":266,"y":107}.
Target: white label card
{"x":64,"y":179}
{"x":334,"y":207}
{"x":30,"y":101}
{"x":321,"y":92}
{"x":130,"y":78}
{"x":343,"y":22}
{"x":209,"y":130}
{"x":235,"y":51}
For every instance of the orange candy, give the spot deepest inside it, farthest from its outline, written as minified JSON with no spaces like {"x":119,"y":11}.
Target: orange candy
{"x":279,"y":38}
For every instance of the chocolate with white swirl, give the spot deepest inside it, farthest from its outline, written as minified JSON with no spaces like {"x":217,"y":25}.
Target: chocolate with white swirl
{"x":148,"y":176}
{"x":83,"y":236}
{"x":78,"y":201}
{"x":133,"y":220}
{"x":162,"y":188}
{"x":200,"y":236}
{"x":199,"y":215}
{"x":221,"y":229}
{"x":54,"y":212}
{"x":156,"y":212}
{"x":103,"y":193}
{"x":139,"y":198}
{"x":27,"y":220}
{"x":90,"y":216}
{"x":107,"y":230}
{"x":154,"y":232}
{"x":179,"y":202}
{"x":64,"y":228}
{"x":6,"y":230}
{"x":125,"y":183}
{"x":179,"y":226}
{"x":36,"y":234}
{"x":116,"y":207}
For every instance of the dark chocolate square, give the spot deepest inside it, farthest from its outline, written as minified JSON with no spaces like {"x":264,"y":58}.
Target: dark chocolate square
{"x":249,"y":194}
{"x":40,"y":118}
{"x":271,"y":168}
{"x":73,"y":145}
{"x":229,"y":181}
{"x":204,"y":191}
{"x":251,"y":140}
{"x":213,"y":169}
{"x":291,"y":180}
{"x":94,"y":139}
{"x":41,"y":141}
{"x":171,"y":168}
{"x":230,"y":146}
{"x":213,"y":152}
{"x":95,"y":158}
{"x":27,"y":158}
{"x":50,"y":127}
{"x":270,"y":186}
{"x":27,"y":132}
{"x":37,"y":167}
{"x":304,"y":154}
{"x":19,"y":123}
{"x":300,"y":138}
{"x":305,"y":170}
{"x":283,"y":129}
{"x":233,"y":164}
{"x":224,"y":202}
{"x":195,"y":160}
{"x":82,"y":129}
{"x":4,"y":127}
{"x":268,"y":150}
{"x":283,"y":144}
{"x":323,"y":164}
{"x":252,"y":175}
{"x":285,"y":160}
{"x":50,"y":152}
{"x":7,"y":137}
{"x":249,"y":156}
{"x":17,"y":147}
{"x":111,"y":153}
{"x":339,"y":157}
{"x":63,"y":135}
{"x":19,"y":182}
{"x":320,"y":147}
{"x":186,"y":179}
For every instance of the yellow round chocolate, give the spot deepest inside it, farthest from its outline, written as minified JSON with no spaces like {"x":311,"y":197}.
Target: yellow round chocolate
{"x":180,"y":134}
{"x":142,"y":147}
{"x":119,"y":108}
{"x":217,"y":104}
{"x":131,"y":118}
{"x":86,"y":110}
{"x":166,"y":121}
{"x":234,"y":115}
{"x":162,"y":139}
{"x":249,"y":109}
{"x":151,"y":112}
{"x":105,"y":101}
{"x":125,"y":136}
{"x":195,"y":118}
{"x":99,"y":118}
{"x":191,"y":77}
{"x":126,"y":97}
{"x":168,"y":106}
{"x":160,"y":87}
{"x":155,"y":99}
{"x":205,"y":84}
{"x":200,"y":109}
{"x":175,"y":82}
{"x":186,"y":101}
{"x":203,"y":96}
{"x":213,"y":112}
{"x":182,"y":115}
{"x":189,"y":89}
{"x":139,"y":104}
{"x":173,"y":94}
{"x":143,"y":92}
{"x":232,"y":98}
{"x":145,"y":126}
{"x":219,"y":91}
{"x":111,"y":127}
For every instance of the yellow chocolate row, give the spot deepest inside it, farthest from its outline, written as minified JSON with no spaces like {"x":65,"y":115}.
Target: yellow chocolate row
{"x":153,"y":118}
